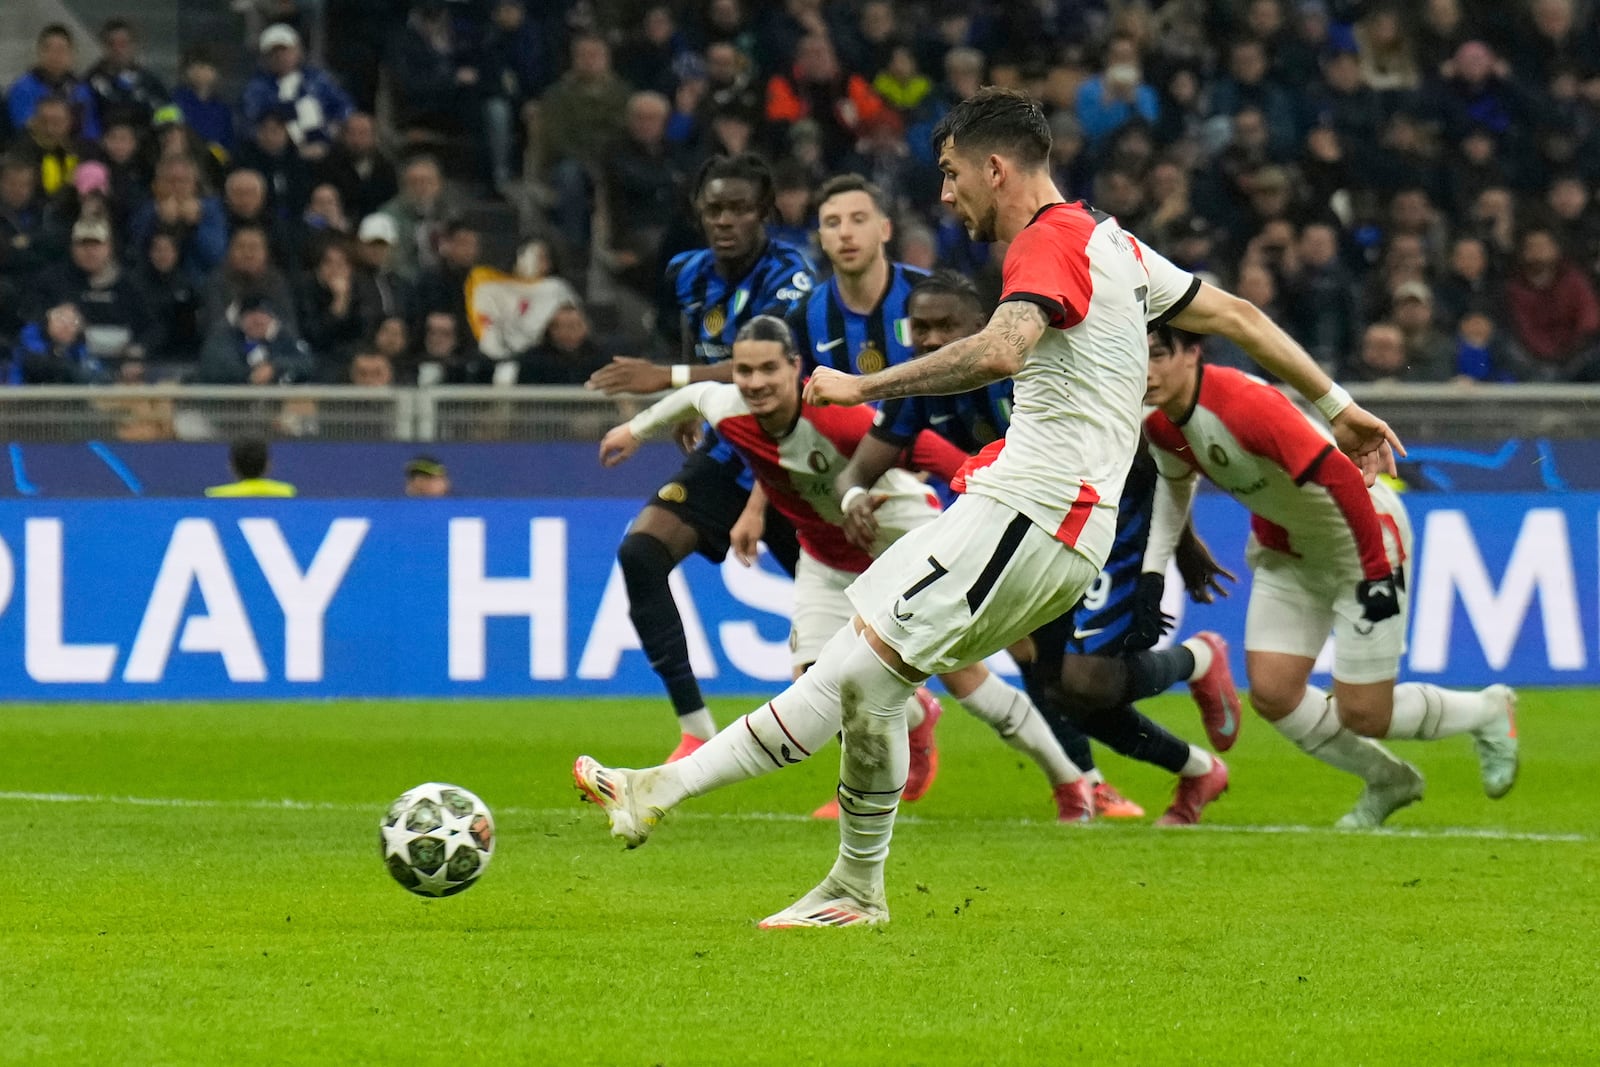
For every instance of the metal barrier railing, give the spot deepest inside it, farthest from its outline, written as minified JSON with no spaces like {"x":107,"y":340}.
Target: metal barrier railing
{"x":493,"y":413}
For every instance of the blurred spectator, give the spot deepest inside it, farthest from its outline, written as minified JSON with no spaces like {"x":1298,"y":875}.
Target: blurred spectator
{"x":1572,"y":214}
{"x":725,"y":23}
{"x":436,"y":82}
{"x":126,"y":173}
{"x":306,"y":98}
{"x":392,"y":340}
{"x":52,"y":76}
{"x":1070,"y":165}
{"x":868,"y":47}
{"x":1476,"y":90}
{"x":1117,"y":95}
{"x":963,"y":76}
{"x":1388,"y":66}
{"x":179,"y":205}
{"x":1493,"y":217}
{"x":1295,"y":49}
{"x":516,"y":64}
{"x":901,"y":82}
{"x":444,"y":288}
{"x":358,"y":166}
{"x":791,"y":197}
{"x":580,"y":118}
{"x":51,"y":351}
{"x":171,"y":136}
{"x":245,"y":203}
{"x":509,"y":313}
{"x":337,"y":310}
{"x":1247,"y":85}
{"x":568,"y":354}
{"x":50,"y":145}
{"x":816,"y":87}
{"x":249,"y":462}
{"x":29,"y":240}
{"x":196,"y":99}
{"x":1383,"y":355}
{"x":1553,"y":312}
{"x":375,"y":242}
{"x":648,"y":60}
{"x":247,"y":271}
{"x":642,"y":184}
{"x":1483,"y":353}
{"x":1441,"y":29}
{"x":1555,"y":40}
{"x":426,"y":477}
{"x":1321,"y":306}
{"x":116,"y":316}
{"x":372,"y":369}
{"x":253,"y":346}
{"x":124,"y":91}
{"x":1341,"y":101}
{"x":445,"y":357}
{"x":322,"y":223}
{"x":730,"y":83}
{"x":270,"y":153}
{"x":172,"y":300}
{"x":418,"y":210}
{"x":1467,"y":285}
{"x":1430,"y":356}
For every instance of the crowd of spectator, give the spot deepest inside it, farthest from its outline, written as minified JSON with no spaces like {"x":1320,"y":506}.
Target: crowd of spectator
{"x":1407,"y":188}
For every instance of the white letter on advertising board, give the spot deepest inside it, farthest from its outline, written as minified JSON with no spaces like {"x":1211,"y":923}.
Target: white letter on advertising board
{"x":47,"y":656}
{"x":742,"y":643}
{"x":195,"y":559}
{"x":541,"y":598}
{"x":304,"y":598}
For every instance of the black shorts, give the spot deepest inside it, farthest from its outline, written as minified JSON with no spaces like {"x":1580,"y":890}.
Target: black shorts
{"x":708,"y":495}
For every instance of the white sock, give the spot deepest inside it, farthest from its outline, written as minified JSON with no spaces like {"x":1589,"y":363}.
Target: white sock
{"x":915,"y":713}
{"x":1314,"y":728}
{"x":1095,"y":776}
{"x":1199,"y":763}
{"x":872,"y":769}
{"x":1423,"y":712}
{"x":1019,"y":724}
{"x":698,"y":724}
{"x":1201,"y":651}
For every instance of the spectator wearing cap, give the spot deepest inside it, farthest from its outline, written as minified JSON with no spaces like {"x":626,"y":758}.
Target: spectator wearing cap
{"x":1320,"y":304}
{"x":818,"y":88}
{"x":306,"y":97}
{"x":52,"y":75}
{"x":89,"y":197}
{"x":115,"y":314}
{"x":50,"y":144}
{"x":337,"y":310}
{"x":1430,"y":355}
{"x":179,"y":205}
{"x":1553,"y":311}
{"x":375,"y":240}
{"x":418,"y":210}
{"x":426,"y":477}
{"x":196,"y":99}
{"x":253,"y":346}
{"x":1117,"y":95}
{"x":171,"y":136}
{"x":124,"y":89}
{"x":51,"y":351}
{"x":567,"y":355}
{"x":359,"y":168}
{"x":173,"y":302}
{"x":271,"y":153}
{"x":444,"y":288}
{"x":247,"y":270}
{"x":1249,"y":85}
{"x":249,"y":461}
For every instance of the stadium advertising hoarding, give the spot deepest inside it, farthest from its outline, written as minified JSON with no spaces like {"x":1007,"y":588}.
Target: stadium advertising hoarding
{"x":174,"y":599}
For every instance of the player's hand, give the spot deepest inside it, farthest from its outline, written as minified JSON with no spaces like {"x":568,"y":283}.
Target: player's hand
{"x":828,"y":386}
{"x":1149,"y":621}
{"x":618,"y":444}
{"x":629,"y":374}
{"x":1200,"y":569}
{"x":1379,"y":597}
{"x":689,"y":434}
{"x":861,"y":522}
{"x":1368,"y":441}
{"x":745,"y":537}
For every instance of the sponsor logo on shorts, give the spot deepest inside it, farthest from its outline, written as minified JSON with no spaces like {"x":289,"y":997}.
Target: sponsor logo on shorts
{"x":673,"y":493}
{"x":902,"y":616}
{"x":1081,"y":634}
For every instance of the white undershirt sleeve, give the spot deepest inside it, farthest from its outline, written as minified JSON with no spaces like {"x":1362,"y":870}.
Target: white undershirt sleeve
{"x":1168,"y":514}
{"x":675,"y":408}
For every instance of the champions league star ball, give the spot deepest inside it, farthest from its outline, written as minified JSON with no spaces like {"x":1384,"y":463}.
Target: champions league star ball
{"x":437,"y":839}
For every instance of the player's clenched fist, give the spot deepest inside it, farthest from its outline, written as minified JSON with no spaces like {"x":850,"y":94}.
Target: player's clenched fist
{"x":828,"y":386}
{"x":618,"y":444}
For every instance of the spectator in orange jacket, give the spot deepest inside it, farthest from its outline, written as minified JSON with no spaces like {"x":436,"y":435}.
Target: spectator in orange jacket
{"x":818,"y":88}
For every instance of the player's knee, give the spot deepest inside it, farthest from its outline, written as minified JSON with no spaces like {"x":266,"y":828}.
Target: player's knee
{"x":1274,"y":698}
{"x":1092,"y":683}
{"x":1365,"y":715}
{"x":644,"y":560}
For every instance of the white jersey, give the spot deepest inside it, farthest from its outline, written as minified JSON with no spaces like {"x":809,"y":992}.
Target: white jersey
{"x":1078,"y":399}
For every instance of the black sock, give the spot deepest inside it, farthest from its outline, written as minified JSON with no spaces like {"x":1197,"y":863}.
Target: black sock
{"x":646,"y":565}
{"x":1150,"y":673}
{"x":1131,"y":734}
{"x":1048,"y":700}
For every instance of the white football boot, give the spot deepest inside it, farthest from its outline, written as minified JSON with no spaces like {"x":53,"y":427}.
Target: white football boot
{"x":1498,"y":755}
{"x":830,"y":904}
{"x":611,"y":788}
{"x":1379,"y":800}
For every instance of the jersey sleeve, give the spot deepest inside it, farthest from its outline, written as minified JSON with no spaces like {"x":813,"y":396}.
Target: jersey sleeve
{"x":1168,"y":447}
{"x":698,"y":398}
{"x":1336,"y":473}
{"x":1268,"y":424}
{"x":669,"y":305}
{"x":1170,"y":288}
{"x":1048,"y":265}
{"x":899,"y":420}
{"x":785,"y":286}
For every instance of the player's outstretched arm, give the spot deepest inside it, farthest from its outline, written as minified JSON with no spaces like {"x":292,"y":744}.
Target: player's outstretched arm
{"x":1169,"y":514}
{"x":1360,"y":434}
{"x":630,"y":374}
{"x":623,"y":441}
{"x":993,"y":353}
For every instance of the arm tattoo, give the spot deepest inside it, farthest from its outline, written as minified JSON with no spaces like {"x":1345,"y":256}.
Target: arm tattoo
{"x":992,"y":353}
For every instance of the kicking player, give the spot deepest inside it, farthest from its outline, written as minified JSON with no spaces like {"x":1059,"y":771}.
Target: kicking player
{"x":708,"y":295}
{"x":794,"y":451}
{"x":1328,"y":553}
{"x":1032,"y":531}
{"x":1086,"y":669}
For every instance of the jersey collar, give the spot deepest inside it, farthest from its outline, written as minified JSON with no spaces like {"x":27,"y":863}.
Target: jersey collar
{"x":1199,"y":383}
{"x":1041,"y":211}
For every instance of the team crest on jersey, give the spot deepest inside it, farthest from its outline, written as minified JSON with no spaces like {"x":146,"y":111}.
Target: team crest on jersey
{"x":1218,"y":456}
{"x":869,"y":359}
{"x":817,"y":462}
{"x":673,"y":493}
{"x":715,"y":320}
{"x":902,"y":332}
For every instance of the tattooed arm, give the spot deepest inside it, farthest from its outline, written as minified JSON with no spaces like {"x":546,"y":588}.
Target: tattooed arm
{"x":995,"y":352}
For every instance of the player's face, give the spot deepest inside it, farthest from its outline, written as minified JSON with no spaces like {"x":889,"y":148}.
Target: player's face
{"x":852,"y":231}
{"x":730,"y":212}
{"x":768,"y":380}
{"x":939,"y":318}
{"x":969,"y":191}
{"x":1169,"y":376}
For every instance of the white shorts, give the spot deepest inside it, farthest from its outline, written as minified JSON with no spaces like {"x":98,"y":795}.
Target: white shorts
{"x":968,"y":584}
{"x":1295,"y":604}
{"x":820,"y":607}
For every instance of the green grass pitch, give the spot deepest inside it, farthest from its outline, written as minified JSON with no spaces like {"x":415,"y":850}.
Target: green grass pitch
{"x":163,"y":904}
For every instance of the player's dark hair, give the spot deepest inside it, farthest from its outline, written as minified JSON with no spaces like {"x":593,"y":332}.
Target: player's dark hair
{"x":1177,"y":339}
{"x":768,"y":328}
{"x":248,"y":457}
{"x":949,"y":283}
{"x":850,"y":183}
{"x":747,"y":166}
{"x":1002,"y":122}
{"x":55,"y":29}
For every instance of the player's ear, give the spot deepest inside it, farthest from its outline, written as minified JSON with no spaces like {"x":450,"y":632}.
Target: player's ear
{"x":996,"y":167}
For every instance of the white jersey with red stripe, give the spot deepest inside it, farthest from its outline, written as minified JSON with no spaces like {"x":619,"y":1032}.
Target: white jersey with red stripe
{"x":1078,"y":398}
{"x":1307,"y":500}
{"x":798,"y":469}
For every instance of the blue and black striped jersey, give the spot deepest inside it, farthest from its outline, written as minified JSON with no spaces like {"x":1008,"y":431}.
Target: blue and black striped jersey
{"x":967,"y":420}
{"x":829,"y":334}
{"x":710,"y":309}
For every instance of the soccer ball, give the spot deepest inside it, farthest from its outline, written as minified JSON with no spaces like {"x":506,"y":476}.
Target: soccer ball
{"x":437,"y":839}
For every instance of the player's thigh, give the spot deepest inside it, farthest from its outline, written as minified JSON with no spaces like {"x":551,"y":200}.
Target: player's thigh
{"x":1367,"y":652}
{"x":706,"y":498}
{"x":967,"y":585}
{"x":821,"y":608}
{"x":667,"y":527}
{"x":1286,"y":625}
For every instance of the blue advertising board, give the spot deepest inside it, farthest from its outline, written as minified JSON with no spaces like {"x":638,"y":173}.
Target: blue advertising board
{"x":145,"y":599}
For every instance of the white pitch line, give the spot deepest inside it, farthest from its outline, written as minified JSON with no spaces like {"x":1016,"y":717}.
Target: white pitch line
{"x":1416,"y":833}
